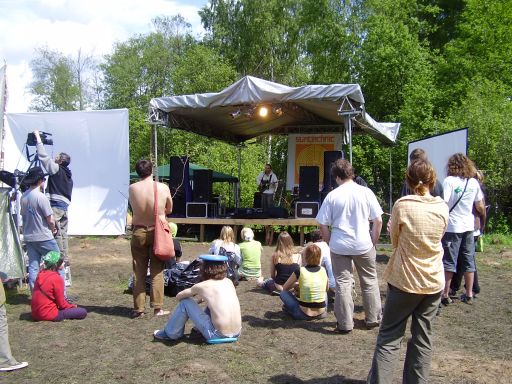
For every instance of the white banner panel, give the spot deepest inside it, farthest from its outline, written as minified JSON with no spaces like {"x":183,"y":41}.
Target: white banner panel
{"x":308,"y":150}
{"x":439,"y":148}
{"x":97,"y":142}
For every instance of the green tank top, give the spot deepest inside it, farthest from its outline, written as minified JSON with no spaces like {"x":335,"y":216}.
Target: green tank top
{"x":312,"y":285}
{"x":251,"y":254}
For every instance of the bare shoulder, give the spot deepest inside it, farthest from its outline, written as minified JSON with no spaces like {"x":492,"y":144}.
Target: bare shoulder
{"x":164,"y":188}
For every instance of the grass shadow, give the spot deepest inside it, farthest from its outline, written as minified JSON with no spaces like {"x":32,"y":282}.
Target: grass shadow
{"x":109,"y":311}
{"x":18,"y":298}
{"x":26,"y":316}
{"x":290,"y":379}
{"x":382,"y":259}
{"x":278,"y":319}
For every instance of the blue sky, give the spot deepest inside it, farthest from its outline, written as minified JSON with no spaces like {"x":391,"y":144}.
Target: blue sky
{"x":69,"y":25}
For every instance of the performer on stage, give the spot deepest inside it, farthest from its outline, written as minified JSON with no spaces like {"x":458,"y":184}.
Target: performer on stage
{"x":267,"y":184}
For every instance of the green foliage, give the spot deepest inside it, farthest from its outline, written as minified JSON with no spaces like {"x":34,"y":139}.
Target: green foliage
{"x":55,"y":86}
{"x":260,"y":38}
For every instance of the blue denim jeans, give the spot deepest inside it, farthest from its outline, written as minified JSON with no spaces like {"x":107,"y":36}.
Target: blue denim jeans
{"x":35,"y":251}
{"x":291,"y":305}
{"x":188,"y":308}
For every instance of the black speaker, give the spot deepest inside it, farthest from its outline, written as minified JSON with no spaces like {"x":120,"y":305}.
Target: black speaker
{"x":203,"y":185}
{"x":277,"y":212}
{"x":306,"y":209}
{"x":308,"y":183}
{"x":179,"y":184}
{"x":201,"y":210}
{"x":329,"y":158}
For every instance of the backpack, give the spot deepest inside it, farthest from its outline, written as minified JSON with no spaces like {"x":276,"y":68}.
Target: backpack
{"x":232,"y":265}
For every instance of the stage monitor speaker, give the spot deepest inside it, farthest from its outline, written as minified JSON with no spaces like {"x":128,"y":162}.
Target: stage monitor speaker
{"x":329,"y":158}
{"x":203,"y":185}
{"x":308,"y":183}
{"x":306,"y":209}
{"x":202,"y":210}
{"x":179,"y":184}
{"x":277,"y":212}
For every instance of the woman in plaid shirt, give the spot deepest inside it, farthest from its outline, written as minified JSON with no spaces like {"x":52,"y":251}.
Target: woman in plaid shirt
{"x":415,"y":279}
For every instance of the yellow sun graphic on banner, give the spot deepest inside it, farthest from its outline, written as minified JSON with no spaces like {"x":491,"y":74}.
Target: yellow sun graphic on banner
{"x":310,"y":155}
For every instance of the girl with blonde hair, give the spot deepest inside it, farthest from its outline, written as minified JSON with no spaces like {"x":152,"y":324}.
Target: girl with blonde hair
{"x":285,"y":261}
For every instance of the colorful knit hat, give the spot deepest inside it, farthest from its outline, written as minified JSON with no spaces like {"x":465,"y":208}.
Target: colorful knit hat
{"x":51,"y":259}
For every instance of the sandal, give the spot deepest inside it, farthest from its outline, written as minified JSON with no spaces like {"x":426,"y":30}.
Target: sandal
{"x":161,"y":312}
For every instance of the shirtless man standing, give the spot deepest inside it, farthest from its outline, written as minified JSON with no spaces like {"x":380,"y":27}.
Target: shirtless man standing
{"x":220,"y":319}
{"x":141,"y":198}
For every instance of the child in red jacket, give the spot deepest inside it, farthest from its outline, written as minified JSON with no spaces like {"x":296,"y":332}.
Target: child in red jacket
{"x":48,"y":301}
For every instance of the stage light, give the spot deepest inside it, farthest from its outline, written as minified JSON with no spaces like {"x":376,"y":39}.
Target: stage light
{"x":277,"y":110}
{"x":236,"y":114}
{"x":263,"y":111}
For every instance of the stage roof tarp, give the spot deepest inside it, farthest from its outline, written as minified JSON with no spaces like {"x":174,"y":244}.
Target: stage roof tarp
{"x":301,"y":110}
{"x":163,"y":172}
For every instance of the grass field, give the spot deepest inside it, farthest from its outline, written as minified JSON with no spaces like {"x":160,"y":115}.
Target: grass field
{"x":473,"y":344}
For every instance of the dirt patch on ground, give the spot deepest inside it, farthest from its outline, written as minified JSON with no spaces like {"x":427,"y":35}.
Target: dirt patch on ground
{"x":472,"y":343}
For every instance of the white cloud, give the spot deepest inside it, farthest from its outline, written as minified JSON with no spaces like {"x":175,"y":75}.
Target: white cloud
{"x":69,"y":25}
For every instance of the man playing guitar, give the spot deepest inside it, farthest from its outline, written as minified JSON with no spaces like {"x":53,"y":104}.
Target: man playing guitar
{"x":267,"y":183}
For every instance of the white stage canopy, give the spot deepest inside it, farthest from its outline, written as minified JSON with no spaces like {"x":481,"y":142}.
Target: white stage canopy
{"x":97,"y":142}
{"x":231,"y":115}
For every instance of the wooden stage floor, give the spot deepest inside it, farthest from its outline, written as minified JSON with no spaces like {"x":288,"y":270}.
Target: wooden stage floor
{"x":238,"y":223}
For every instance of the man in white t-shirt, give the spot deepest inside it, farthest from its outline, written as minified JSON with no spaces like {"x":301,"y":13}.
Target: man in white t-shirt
{"x":267,"y":185}
{"x":348,"y":211}
{"x":461,"y":193}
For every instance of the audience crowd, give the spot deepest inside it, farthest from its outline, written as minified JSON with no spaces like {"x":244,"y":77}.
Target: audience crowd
{"x":433,"y":228}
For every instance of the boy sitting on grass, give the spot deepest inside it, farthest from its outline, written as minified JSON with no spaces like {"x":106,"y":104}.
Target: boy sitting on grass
{"x":220,"y":319}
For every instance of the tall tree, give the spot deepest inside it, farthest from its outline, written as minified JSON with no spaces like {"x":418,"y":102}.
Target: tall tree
{"x":140,"y":69}
{"x":62,"y":83}
{"x":260,"y":37}
{"x":55,"y":86}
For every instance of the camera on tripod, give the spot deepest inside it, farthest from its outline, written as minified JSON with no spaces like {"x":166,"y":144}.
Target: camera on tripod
{"x":32,"y":140}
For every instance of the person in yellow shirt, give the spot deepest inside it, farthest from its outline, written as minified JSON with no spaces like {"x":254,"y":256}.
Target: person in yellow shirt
{"x":415,"y":278}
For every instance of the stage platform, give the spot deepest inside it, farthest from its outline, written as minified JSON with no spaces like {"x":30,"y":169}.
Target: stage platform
{"x":237,"y":225}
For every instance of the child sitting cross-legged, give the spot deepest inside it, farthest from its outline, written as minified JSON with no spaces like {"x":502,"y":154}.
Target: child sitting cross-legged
{"x":48,"y":300}
{"x":220,"y":319}
{"x":313,"y":286}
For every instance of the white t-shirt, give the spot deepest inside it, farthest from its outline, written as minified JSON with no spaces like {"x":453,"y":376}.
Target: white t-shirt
{"x":348,"y":209}
{"x":461,"y":217}
{"x":270,"y":178}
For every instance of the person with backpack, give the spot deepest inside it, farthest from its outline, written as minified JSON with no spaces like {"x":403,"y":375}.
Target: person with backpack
{"x":225,"y":246}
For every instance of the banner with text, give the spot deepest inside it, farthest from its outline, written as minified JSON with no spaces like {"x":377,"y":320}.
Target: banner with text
{"x":308,"y":150}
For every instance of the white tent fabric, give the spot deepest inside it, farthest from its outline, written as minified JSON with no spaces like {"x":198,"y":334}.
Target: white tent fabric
{"x":306,"y":109}
{"x":97,"y":142}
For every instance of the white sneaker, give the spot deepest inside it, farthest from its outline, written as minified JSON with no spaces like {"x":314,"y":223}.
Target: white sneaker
{"x":14,"y":367}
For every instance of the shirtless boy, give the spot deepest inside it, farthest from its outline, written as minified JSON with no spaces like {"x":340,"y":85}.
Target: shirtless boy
{"x":220,"y":319}
{"x":141,"y":197}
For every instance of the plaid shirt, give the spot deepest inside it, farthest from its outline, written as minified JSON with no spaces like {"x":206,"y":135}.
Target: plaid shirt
{"x":417,"y":225}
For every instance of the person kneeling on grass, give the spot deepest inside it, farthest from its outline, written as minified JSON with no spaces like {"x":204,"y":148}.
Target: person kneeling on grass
{"x":48,"y":301}
{"x":220,"y":319}
{"x":313,"y":286}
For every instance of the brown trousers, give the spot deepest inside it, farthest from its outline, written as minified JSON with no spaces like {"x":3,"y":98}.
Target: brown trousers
{"x":142,"y":254}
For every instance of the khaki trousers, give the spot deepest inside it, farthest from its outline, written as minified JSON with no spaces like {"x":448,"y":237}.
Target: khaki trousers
{"x":142,"y":254}
{"x":343,"y":303}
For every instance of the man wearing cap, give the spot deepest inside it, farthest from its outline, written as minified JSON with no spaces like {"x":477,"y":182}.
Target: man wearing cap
{"x":59,"y":188}
{"x":38,"y":223}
